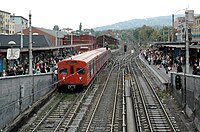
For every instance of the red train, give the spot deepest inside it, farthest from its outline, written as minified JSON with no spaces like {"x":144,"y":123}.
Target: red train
{"x":79,"y":70}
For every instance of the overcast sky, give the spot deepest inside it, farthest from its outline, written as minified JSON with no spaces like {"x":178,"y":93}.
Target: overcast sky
{"x":93,"y":13}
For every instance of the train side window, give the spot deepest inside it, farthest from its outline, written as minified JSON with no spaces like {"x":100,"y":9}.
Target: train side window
{"x":71,"y":69}
{"x":90,"y":70}
{"x":63,"y":70}
{"x":80,"y":70}
{"x":93,"y":67}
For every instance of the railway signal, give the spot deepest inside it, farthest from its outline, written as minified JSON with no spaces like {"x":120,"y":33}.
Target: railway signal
{"x":125,"y":48}
{"x":178,"y":82}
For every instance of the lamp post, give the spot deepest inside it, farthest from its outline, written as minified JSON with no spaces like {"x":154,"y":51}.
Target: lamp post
{"x":186,"y":42}
{"x":71,"y":42}
{"x":103,"y":40}
{"x":186,"y":38}
{"x":172,"y":27}
{"x":186,"y":70}
{"x":71,"y":39}
{"x":30,"y":45}
{"x":22,"y":35}
{"x":186,"y":57}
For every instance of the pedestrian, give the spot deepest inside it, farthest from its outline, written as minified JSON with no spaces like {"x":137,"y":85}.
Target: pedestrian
{"x":42,"y":69}
{"x":166,"y":67}
{"x":194,"y":69}
{"x":179,"y":68}
{"x":149,"y":60}
{"x":38,"y":70}
{"x":198,"y":70}
{"x":4,"y":73}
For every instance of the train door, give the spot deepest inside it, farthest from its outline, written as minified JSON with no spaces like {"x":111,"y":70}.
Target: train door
{"x":89,"y":69}
{"x":71,"y":69}
{"x":97,"y":63}
{"x":72,"y":77}
{"x":92,"y":68}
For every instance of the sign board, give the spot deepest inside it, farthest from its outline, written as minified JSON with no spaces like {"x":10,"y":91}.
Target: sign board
{"x":132,"y":51}
{"x":13,"y":53}
{"x":190,"y":16}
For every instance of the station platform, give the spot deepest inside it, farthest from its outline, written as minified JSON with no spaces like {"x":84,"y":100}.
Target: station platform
{"x":160,"y":73}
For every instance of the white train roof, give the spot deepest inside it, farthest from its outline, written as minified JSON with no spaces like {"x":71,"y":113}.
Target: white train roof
{"x":87,"y":56}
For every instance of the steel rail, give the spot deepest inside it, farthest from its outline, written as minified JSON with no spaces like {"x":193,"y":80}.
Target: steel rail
{"x":75,"y":110}
{"x":160,"y":103}
{"x":47,"y":114}
{"x":115,"y":103}
{"x":143,"y":103}
{"x":100,"y":97}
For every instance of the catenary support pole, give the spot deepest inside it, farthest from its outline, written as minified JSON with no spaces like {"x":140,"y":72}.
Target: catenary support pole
{"x":30,"y":45}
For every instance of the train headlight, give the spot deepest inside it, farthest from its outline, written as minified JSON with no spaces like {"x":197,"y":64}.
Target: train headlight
{"x":63,"y":78}
{"x":80,"y":78}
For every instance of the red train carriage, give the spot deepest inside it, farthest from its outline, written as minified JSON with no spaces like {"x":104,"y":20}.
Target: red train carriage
{"x":79,"y":70}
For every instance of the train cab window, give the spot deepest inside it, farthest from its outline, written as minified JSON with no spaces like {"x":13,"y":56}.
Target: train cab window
{"x":80,"y":70}
{"x":71,"y":69}
{"x":63,"y":70}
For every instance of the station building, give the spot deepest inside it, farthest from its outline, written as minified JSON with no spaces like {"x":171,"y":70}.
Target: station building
{"x":104,"y":40}
{"x":45,"y":43}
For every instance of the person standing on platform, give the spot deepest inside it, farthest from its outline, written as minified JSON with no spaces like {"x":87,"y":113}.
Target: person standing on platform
{"x":4,"y":73}
{"x":179,"y":68}
{"x":198,"y":70}
{"x":149,"y":60}
{"x":194,"y":69}
{"x":166,"y":67}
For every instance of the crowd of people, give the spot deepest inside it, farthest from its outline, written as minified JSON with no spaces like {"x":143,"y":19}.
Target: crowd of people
{"x":46,"y":64}
{"x":42,"y":64}
{"x":169,"y":63}
{"x":165,"y":61}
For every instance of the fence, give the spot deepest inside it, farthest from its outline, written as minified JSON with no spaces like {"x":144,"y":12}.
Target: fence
{"x":188,"y":96}
{"x":18,"y":93}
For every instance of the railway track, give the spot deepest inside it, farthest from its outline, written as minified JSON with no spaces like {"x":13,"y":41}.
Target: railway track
{"x":101,"y":106}
{"x":67,"y":115}
{"x":58,"y":113}
{"x":150,"y":112}
{"x":106,"y":112}
{"x":50,"y":118}
{"x":102,"y":116}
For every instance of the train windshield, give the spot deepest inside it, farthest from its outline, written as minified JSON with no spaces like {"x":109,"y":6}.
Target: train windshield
{"x":80,"y":70}
{"x":63,"y":70}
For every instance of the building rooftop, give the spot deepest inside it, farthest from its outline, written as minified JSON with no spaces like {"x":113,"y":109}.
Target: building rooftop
{"x":37,"y":41}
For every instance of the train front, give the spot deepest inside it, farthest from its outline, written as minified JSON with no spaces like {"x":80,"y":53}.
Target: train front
{"x":72,"y":74}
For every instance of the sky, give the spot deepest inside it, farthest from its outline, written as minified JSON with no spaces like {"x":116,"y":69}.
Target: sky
{"x":93,"y":13}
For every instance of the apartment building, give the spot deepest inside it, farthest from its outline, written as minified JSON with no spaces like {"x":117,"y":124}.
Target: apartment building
{"x":11,"y":24}
{"x":20,"y":22}
{"x":193,"y":24}
{"x":6,"y":27}
{"x":196,"y":29}
{"x":179,"y":25}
